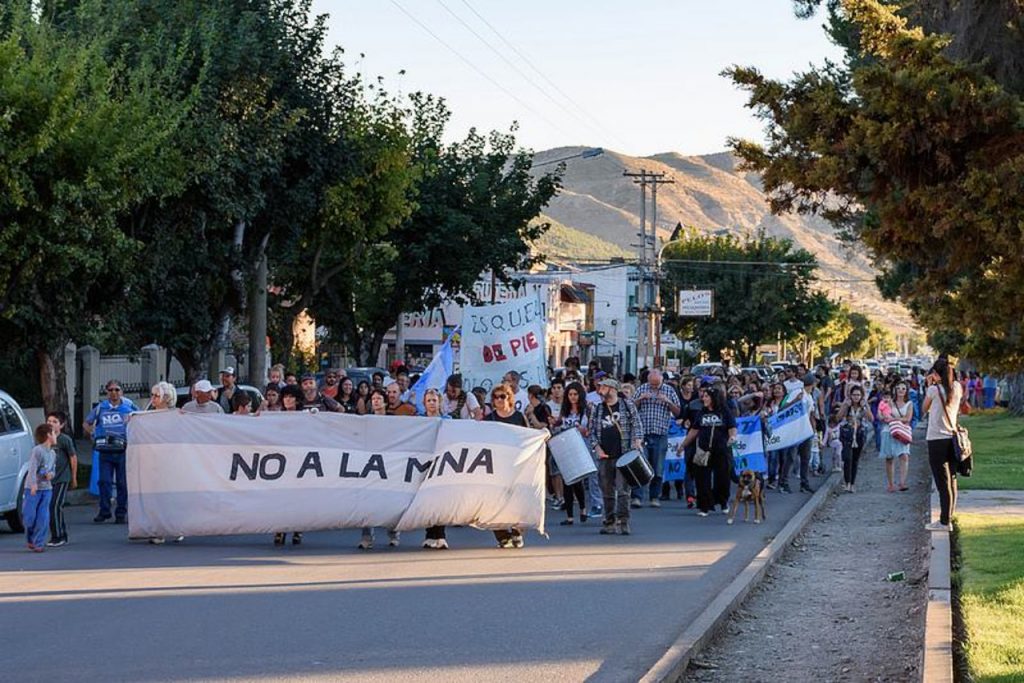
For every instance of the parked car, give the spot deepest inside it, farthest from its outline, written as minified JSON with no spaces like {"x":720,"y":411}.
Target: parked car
{"x":15,"y":448}
{"x":185,"y":395}
{"x":357,"y":375}
{"x":764,"y":372}
{"x":712,"y":369}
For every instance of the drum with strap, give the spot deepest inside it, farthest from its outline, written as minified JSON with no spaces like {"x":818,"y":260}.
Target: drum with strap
{"x":571,"y":455}
{"x":635,"y":468}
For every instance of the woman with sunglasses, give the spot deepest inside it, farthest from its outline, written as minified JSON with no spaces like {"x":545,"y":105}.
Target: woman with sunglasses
{"x":503,"y":402}
{"x":897,"y":408}
{"x":432,"y":408}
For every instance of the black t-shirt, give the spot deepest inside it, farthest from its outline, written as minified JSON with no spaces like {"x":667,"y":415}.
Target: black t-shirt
{"x":541,"y":413}
{"x":515,"y":418}
{"x":608,"y":420}
{"x":717,"y":423}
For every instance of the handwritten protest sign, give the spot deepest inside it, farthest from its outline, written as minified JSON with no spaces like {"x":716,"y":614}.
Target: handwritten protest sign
{"x":501,"y":337}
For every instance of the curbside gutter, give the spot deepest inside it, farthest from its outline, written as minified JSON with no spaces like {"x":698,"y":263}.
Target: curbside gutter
{"x":672,"y":665}
{"x":938,"y":630}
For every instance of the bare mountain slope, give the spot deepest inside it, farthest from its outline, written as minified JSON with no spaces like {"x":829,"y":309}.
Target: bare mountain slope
{"x":711,"y":195}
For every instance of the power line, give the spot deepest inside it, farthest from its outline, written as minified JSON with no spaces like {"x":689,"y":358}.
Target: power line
{"x":514,"y":66}
{"x":477,"y":69}
{"x":537,"y":71}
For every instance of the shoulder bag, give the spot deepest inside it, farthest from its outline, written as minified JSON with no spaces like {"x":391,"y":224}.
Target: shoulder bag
{"x":962,"y":447}
{"x":900,"y":431}
{"x":701,"y":457}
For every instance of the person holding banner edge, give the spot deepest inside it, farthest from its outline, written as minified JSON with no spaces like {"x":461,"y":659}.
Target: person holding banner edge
{"x":502,"y":398}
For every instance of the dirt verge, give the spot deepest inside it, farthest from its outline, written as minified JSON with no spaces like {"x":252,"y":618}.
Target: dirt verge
{"x":825,"y":611}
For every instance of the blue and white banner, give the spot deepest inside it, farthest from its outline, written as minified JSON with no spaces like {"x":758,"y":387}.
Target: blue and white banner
{"x":788,"y":427}
{"x":748,"y":449}
{"x":436,"y":375}
{"x":675,"y":458}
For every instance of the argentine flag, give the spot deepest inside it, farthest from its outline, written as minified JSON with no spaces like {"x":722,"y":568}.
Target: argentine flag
{"x":436,"y":374}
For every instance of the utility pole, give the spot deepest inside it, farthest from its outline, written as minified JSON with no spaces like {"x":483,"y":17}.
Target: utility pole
{"x":648,"y":305}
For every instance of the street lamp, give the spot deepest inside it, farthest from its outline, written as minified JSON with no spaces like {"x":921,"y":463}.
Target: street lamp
{"x":585,"y":154}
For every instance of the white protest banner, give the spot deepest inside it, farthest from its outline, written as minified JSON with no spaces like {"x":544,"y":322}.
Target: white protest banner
{"x":202,"y":475}
{"x":748,"y":449}
{"x":501,"y":337}
{"x":788,"y":427}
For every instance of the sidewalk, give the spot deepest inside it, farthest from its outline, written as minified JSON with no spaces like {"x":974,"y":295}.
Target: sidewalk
{"x":991,"y":502}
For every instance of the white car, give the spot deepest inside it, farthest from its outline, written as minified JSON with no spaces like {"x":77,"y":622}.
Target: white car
{"x":15,"y":447}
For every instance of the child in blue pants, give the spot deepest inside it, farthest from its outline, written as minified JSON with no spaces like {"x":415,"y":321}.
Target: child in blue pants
{"x":36,"y":509}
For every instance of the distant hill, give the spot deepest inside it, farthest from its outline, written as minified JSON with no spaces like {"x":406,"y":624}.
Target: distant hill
{"x":562,"y":243}
{"x":711,"y":195}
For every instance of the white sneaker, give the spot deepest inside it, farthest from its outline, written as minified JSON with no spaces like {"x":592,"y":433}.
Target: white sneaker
{"x":725,"y":510}
{"x":393,"y":542}
{"x":441,"y":544}
{"x":655,"y":503}
{"x":159,"y":540}
{"x":702,"y":514}
{"x":937,"y":526}
{"x":179,"y":539}
{"x":430,"y":543}
{"x":366,"y":543}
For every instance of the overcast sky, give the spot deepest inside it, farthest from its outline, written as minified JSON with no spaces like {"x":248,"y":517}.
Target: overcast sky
{"x":636,"y":77}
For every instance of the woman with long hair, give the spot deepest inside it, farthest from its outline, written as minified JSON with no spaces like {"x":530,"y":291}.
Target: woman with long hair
{"x":896,"y":407}
{"x":776,"y":399}
{"x":378,"y":406}
{"x":436,"y":538}
{"x":271,"y":399}
{"x":942,"y":404}
{"x":714,"y":430}
{"x":347,"y":396}
{"x":363,"y":397}
{"x":573,"y":415}
{"x":291,"y":402}
{"x":854,"y":414}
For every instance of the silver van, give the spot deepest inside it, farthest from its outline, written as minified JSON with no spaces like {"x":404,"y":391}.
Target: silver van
{"x":15,"y":448}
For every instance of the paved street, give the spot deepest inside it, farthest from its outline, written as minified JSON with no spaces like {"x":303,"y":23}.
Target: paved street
{"x":573,"y":607}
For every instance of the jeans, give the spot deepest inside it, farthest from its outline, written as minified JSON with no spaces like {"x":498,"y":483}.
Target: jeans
{"x":942,"y":461}
{"x":655,"y":448}
{"x":786,"y":457}
{"x":615,"y":490}
{"x":804,"y":453}
{"x":774,"y":460}
{"x":58,"y":527}
{"x":990,"y":398}
{"x":593,"y":487}
{"x":112,"y":464}
{"x":35,"y":511}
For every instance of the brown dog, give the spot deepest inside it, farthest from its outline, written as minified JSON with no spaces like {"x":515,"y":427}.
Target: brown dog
{"x":749,"y":490}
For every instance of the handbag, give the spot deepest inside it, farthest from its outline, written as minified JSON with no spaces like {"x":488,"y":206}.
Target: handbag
{"x":900,"y":431}
{"x":965,"y":466}
{"x":702,"y":457}
{"x":961,"y":438}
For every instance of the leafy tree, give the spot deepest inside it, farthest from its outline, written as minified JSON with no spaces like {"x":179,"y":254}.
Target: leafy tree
{"x":755,"y":303}
{"x":474,"y":211}
{"x":81,"y":140}
{"x":915,"y":150}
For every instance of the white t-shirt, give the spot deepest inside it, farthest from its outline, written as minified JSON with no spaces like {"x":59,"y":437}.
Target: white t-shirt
{"x":939,"y":426}
{"x":471,"y":405}
{"x":555,"y":408}
{"x":809,"y":408}
{"x":594,"y":397}
{"x":522,"y":401}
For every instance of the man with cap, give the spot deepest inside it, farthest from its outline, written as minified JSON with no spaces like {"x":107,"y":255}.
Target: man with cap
{"x":615,"y":428}
{"x":313,"y":398}
{"x":228,"y":388}
{"x":202,"y":399}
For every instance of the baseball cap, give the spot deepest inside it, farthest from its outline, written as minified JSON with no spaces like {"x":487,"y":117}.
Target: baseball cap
{"x":308,"y":375}
{"x":203,"y":386}
{"x":600,"y":374}
{"x":227,"y":371}
{"x":609,"y":382}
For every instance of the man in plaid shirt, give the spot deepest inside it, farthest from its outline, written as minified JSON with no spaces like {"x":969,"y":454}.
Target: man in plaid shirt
{"x":658,"y":405}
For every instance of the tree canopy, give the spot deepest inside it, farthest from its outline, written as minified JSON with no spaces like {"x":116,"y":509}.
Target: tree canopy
{"x":763,"y":286}
{"x":915,"y":148}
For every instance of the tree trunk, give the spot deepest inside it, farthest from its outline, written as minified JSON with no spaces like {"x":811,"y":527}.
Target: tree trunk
{"x":53,"y":379}
{"x":190,"y":363}
{"x":258,"y":325}
{"x":1015,"y":382}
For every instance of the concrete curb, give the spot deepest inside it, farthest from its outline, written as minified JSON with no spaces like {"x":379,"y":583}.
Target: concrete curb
{"x":672,"y":665}
{"x":938,"y":629}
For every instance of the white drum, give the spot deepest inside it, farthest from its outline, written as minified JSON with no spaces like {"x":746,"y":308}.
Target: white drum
{"x":571,"y":455}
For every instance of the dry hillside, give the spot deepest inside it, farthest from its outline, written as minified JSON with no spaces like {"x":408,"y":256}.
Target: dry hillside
{"x":711,"y":195}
